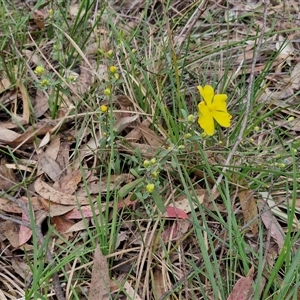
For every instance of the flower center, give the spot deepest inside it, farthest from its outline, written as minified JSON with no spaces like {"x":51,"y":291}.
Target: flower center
{"x":212,"y":107}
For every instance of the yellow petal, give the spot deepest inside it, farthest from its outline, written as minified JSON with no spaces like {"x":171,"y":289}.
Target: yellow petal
{"x":206,"y":122}
{"x":220,"y":101}
{"x":202,"y":108}
{"x":222,"y":117}
{"x":207,"y":93}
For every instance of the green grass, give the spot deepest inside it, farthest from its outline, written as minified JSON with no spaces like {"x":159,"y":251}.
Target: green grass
{"x":158,"y":76}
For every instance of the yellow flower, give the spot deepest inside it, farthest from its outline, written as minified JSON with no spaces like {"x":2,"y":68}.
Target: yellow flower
{"x":113,"y":69}
{"x":107,"y":92}
{"x":212,"y":108}
{"x":154,"y":174}
{"x":110,"y":53}
{"x":103,"y":108}
{"x":191,"y":118}
{"x":44,"y":82}
{"x":150,"y":187}
{"x":39,"y":70}
{"x":153,"y":160}
{"x":146,"y":163}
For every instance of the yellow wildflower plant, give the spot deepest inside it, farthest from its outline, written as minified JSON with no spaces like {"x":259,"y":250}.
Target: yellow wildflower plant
{"x":103,"y":108}
{"x":107,"y":92}
{"x":212,"y":108}
{"x":39,"y":70}
{"x":150,"y":187}
{"x":113,"y":69}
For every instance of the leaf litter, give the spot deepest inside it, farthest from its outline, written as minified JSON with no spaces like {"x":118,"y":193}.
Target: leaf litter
{"x":65,"y":185}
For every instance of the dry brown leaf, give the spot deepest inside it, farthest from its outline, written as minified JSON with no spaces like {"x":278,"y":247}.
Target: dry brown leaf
{"x":63,"y":156}
{"x":35,"y":202}
{"x":151,"y":137}
{"x":49,"y":193}
{"x":176,"y":231}
{"x":4,"y":84}
{"x":81,"y":225}
{"x":21,"y":268}
{"x":123,"y":123}
{"x":295,"y":77}
{"x":86,"y":211}
{"x":32,"y":132}
{"x":49,"y":166}
{"x":7,"y":136}
{"x":159,"y":286}
{"x":26,"y":101}
{"x":9,"y":206}
{"x":7,"y":176}
{"x":271,"y":224}
{"x":41,"y":103}
{"x":90,"y":146}
{"x":135,"y":134}
{"x":100,"y":281}
{"x":243,"y":289}
{"x":146,"y":150}
{"x":68,"y":183}
{"x":62,"y":224}
{"x":183,"y":203}
{"x":45,"y":140}
{"x":53,"y":148}
{"x":124,"y":101}
{"x":39,"y":18}
{"x":249,"y":209}
{"x":94,"y":188}
{"x":25,"y":233}
{"x":11,"y":232}
{"x":55,"y":209}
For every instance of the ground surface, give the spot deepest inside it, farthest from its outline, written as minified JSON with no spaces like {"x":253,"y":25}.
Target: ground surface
{"x":110,"y":189}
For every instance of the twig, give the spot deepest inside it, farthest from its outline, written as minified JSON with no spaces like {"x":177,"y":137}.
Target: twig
{"x":248,"y":100}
